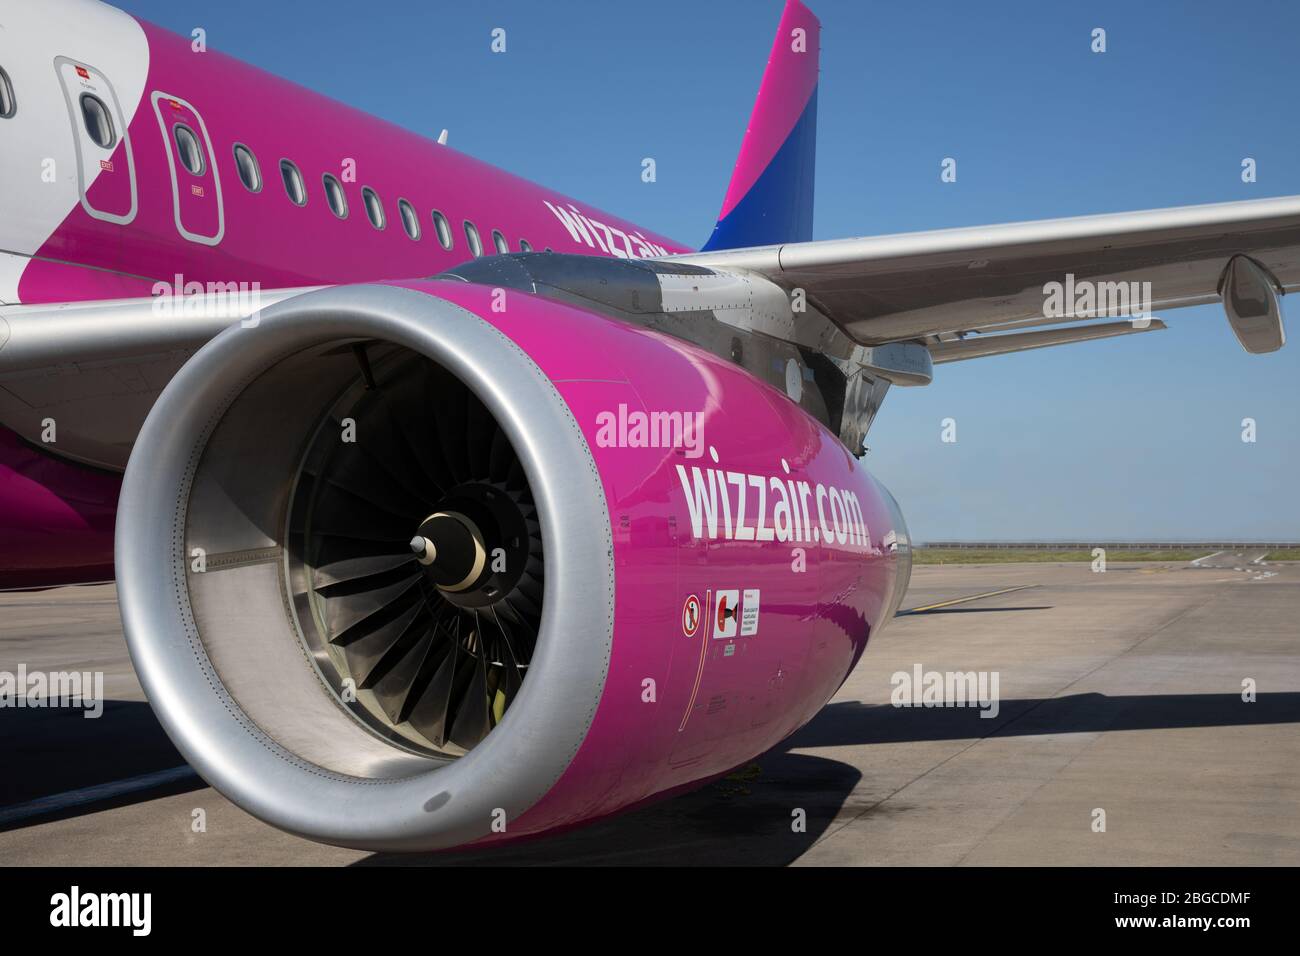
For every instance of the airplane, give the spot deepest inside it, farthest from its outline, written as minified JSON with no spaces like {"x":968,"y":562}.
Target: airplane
{"x":445,"y":509}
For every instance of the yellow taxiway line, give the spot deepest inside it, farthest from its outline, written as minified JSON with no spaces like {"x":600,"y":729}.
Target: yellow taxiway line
{"x":963,"y":600}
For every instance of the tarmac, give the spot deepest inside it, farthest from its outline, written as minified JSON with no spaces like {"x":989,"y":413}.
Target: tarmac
{"x":1124,"y":734}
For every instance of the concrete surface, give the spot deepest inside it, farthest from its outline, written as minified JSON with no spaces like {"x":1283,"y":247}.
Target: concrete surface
{"x":1119,"y":691}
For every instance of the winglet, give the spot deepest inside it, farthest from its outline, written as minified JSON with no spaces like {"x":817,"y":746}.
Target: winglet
{"x":770,"y":199}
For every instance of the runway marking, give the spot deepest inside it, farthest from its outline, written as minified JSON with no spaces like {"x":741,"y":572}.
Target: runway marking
{"x":102,"y":791}
{"x":963,"y":600}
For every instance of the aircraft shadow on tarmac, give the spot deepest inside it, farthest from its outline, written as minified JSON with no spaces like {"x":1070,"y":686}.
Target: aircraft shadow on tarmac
{"x":743,"y":819}
{"x":49,"y":751}
{"x":851,"y":722}
{"x":748,"y":821}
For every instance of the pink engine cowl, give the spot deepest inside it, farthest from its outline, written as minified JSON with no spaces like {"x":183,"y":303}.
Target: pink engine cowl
{"x":715,"y":563}
{"x":678,"y":707}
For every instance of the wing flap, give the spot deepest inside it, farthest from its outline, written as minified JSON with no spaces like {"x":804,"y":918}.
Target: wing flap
{"x":983,"y":346}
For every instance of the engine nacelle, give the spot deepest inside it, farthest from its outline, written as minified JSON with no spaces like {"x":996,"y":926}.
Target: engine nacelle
{"x":413,"y":566}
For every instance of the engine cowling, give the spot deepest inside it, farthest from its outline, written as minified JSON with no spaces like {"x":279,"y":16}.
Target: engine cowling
{"x":413,"y":566}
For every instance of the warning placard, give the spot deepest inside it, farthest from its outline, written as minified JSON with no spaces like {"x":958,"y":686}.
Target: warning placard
{"x":749,"y":613}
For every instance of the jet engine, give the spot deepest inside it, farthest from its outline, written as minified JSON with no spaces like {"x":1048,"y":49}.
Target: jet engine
{"x":411,"y":566}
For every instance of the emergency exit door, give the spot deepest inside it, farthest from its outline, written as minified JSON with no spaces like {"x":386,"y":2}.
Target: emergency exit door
{"x":196,"y":185}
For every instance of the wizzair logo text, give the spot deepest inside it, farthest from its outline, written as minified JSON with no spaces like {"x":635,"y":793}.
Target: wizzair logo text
{"x":609,"y":240}
{"x":738,"y":506}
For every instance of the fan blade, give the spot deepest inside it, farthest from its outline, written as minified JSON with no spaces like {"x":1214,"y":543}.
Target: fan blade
{"x":429,"y":716}
{"x":521,"y":605}
{"x":342,"y":515}
{"x":512,"y":672}
{"x":358,"y":475}
{"x":500,"y":456}
{"x":393,"y":690}
{"x":374,"y":444}
{"x":366,"y":653}
{"x":355,"y":569}
{"x":479,"y":429}
{"x":388,"y":443}
{"x":450,"y":404}
{"x":343,"y":613}
{"x":322,"y":550}
{"x":418,"y":428}
{"x":515,"y":478}
{"x":430,"y":428}
{"x":472,"y":720}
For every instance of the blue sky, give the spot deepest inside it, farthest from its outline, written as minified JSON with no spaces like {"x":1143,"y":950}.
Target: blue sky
{"x":1139,"y":437}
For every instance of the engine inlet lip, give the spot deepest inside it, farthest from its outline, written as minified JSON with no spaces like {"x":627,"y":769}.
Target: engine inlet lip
{"x":512,"y":768}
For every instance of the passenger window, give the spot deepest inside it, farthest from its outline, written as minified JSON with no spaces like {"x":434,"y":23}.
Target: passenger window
{"x":374,"y":208}
{"x":499,"y":241}
{"x":335,"y":196}
{"x":99,"y":124}
{"x":525,"y":245}
{"x":410,"y":222}
{"x":250,"y":173}
{"x":8,"y":105}
{"x":475,"y":243}
{"x":187,"y":145}
{"x":294,"y":187}
{"x":443,"y":229}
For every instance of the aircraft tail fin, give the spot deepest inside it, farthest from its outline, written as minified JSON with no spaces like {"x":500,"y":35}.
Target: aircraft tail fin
{"x":770,"y":198}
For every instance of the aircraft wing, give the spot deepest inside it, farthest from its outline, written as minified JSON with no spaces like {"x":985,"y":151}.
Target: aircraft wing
{"x":936,"y":287}
{"x":96,"y":368}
